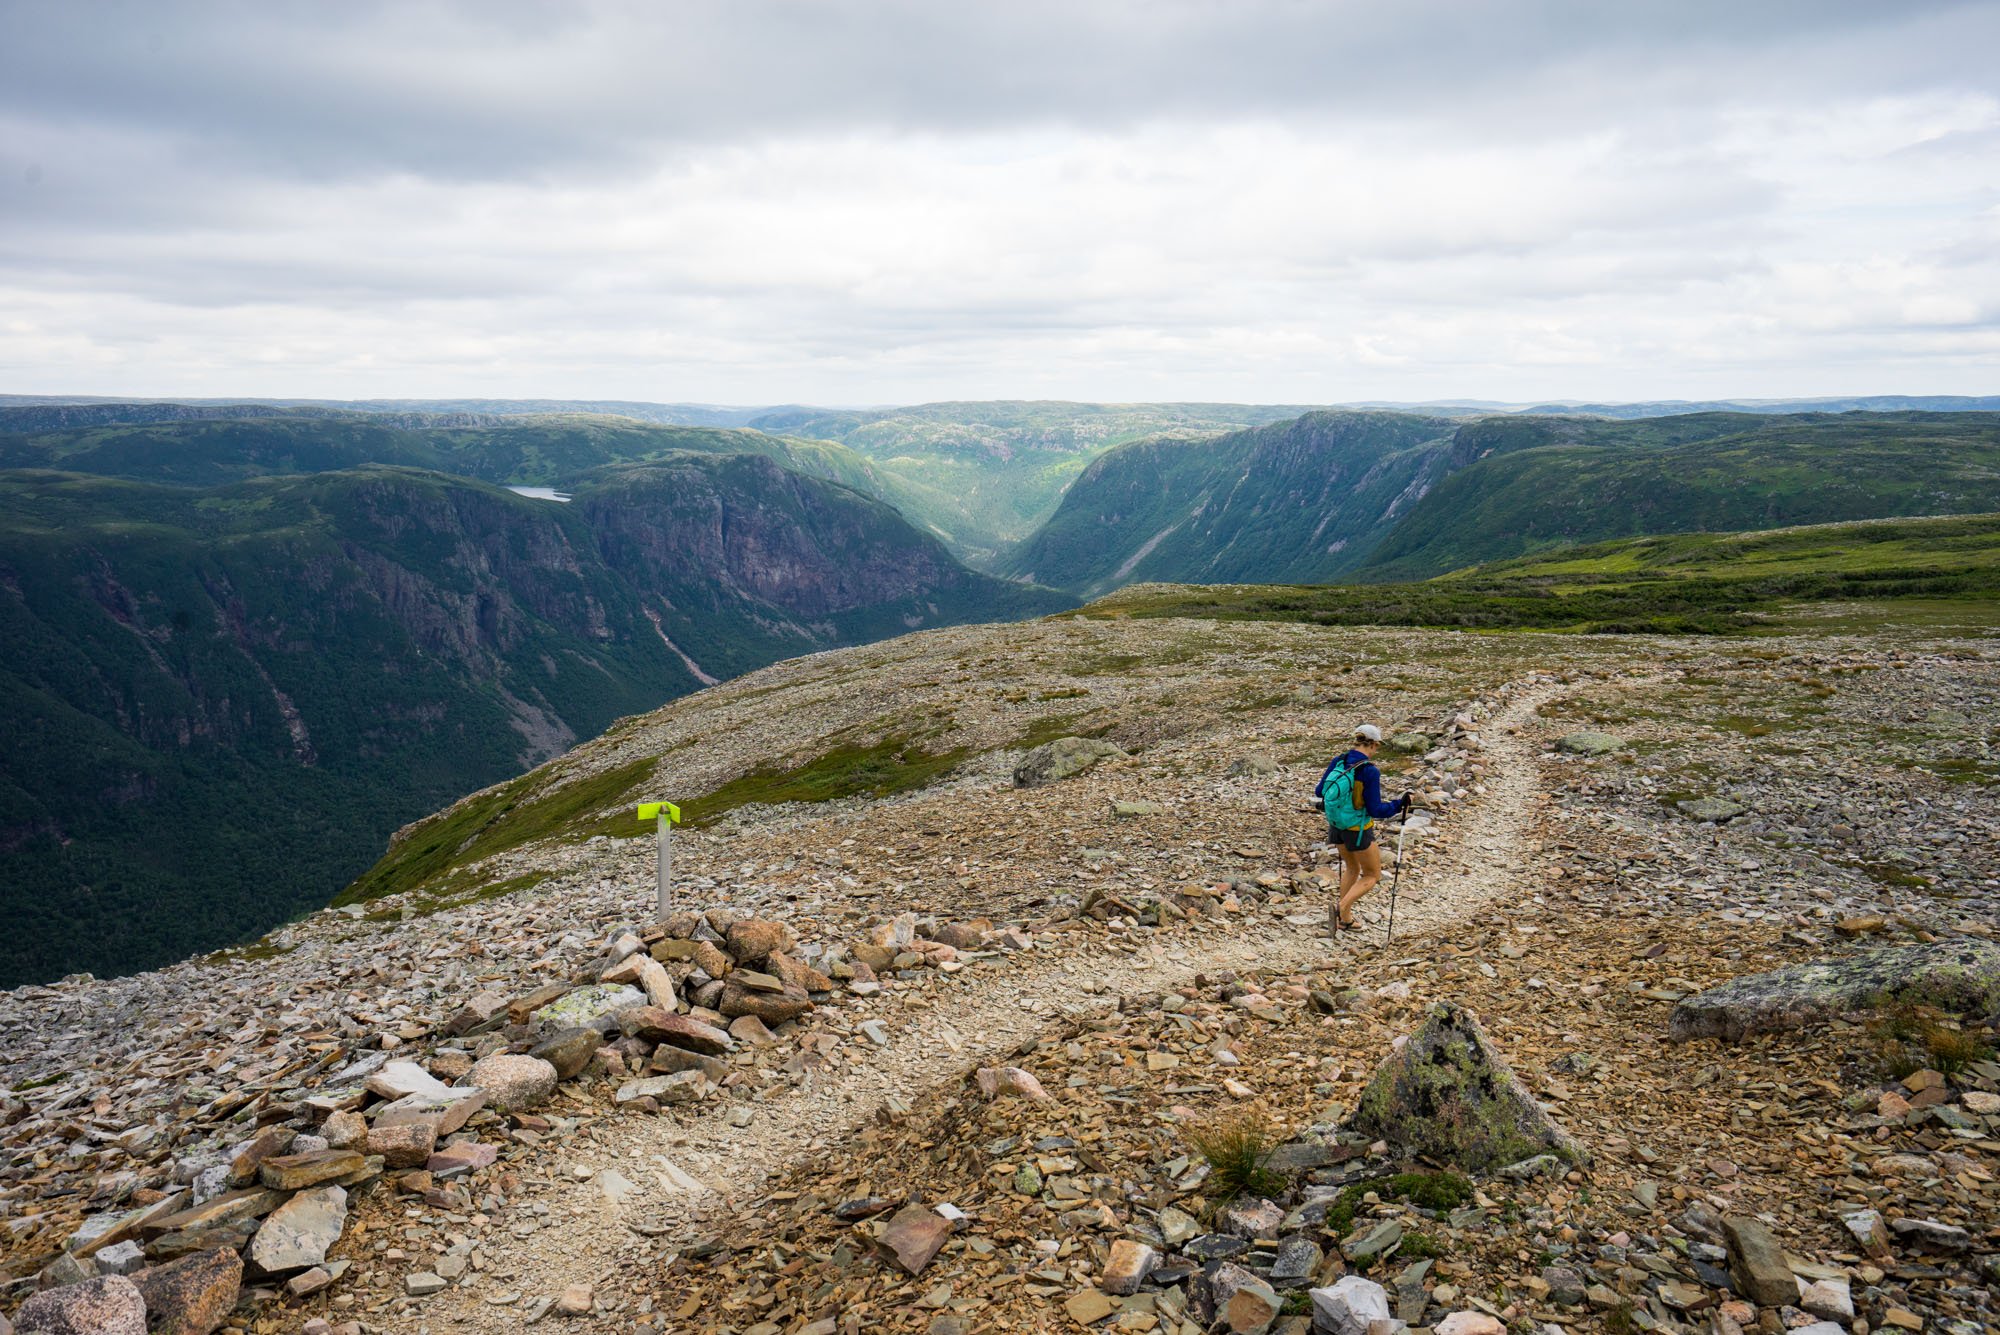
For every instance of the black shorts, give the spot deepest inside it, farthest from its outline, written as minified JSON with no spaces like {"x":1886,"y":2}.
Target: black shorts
{"x":1352,"y":840}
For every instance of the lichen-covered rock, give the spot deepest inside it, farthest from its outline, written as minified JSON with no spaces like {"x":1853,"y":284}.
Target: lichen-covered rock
{"x":1590,"y":743}
{"x":107,"y":1305}
{"x":585,"y":1006}
{"x":298,"y":1233}
{"x":194,"y":1295}
{"x":1711,"y":808}
{"x":1061,"y":758}
{"x":1449,"y":1096}
{"x":1958,"y":977}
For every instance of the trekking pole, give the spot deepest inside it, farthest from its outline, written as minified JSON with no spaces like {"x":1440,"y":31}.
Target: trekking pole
{"x":1396,"y":880}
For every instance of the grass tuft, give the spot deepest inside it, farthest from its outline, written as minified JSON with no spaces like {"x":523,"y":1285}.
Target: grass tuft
{"x":1952,"y":1050}
{"x":1910,"y":1038}
{"x":1238,"y":1150}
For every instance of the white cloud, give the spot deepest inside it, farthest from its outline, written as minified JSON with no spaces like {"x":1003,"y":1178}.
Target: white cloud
{"x":1620,"y":213}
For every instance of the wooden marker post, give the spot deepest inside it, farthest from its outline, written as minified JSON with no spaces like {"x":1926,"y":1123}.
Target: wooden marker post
{"x":669,"y":816}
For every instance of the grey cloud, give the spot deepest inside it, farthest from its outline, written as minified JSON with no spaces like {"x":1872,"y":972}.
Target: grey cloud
{"x":627,"y":199}
{"x":513,"y":90}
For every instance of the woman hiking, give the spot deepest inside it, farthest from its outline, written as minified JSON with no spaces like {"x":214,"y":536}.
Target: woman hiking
{"x":1350,"y":792}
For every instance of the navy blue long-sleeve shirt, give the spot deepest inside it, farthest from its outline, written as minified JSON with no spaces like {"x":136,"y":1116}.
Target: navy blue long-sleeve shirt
{"x":1370,"y":779}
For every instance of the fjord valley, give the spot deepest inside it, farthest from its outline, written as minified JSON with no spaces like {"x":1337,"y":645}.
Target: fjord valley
{"x":222,"y":699}
{"x":979,"y":476}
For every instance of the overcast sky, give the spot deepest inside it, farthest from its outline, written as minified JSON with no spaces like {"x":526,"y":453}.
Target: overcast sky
{"x":888,"y":202}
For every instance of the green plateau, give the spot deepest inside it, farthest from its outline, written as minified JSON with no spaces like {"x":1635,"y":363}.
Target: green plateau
{"x":1692,"y":583}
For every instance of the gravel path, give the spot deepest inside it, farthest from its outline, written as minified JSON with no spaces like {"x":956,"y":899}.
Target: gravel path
{"x":684,"y":1174}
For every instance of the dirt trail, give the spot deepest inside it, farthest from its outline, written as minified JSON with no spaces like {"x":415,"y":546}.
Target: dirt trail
{"x":685,"y":1174}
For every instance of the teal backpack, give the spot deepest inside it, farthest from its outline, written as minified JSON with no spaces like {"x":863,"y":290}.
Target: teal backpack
{"x":1340,"y":799}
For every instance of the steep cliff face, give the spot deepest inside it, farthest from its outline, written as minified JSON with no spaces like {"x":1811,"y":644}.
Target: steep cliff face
{"x":1295,"y":501}
{"x":222,"y":702}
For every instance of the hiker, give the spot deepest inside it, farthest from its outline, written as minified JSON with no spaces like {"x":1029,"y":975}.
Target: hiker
{"x":1350,"y":793}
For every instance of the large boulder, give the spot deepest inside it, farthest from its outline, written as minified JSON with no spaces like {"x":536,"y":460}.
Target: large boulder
{"x":752,"y":940}
{"x":1447,"y":1095}
{"x":513,"y":1082}
{"x":788,"y":1003}
{"x":585,"y":1007}
{"x":684,"y":1031}
{"x":1957,"y":977}
{"x":570,"y":1050}
{"x":1061,"y":758}
{"x":194,"y":1295}
{"x":107,"y":1305}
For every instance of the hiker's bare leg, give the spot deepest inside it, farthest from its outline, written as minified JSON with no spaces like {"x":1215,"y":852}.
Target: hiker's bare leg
{"x":1368,"y":865}
{"x":1349,"y":870}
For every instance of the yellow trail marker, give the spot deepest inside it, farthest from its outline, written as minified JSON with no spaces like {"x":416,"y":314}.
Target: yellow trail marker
{"x":668,"y":815}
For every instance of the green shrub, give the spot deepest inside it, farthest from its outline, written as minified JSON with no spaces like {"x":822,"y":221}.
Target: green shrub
{"x":1417,"y":1247}
{"x":1340,"y":1214}
{"x":1431,"y":1191}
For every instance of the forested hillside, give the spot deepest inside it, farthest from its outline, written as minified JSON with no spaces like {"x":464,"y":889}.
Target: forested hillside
{"x":222,"y":700}
{"x":1389,"y":496}
{"x":1541,"y":483}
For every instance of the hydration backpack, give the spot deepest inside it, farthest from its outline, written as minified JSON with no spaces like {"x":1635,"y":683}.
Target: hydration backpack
{"x":1340,"y":796}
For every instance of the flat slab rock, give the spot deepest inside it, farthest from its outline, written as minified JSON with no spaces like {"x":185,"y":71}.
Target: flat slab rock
{"x":1058,"y":760}
{"x":1448,"y":1095}
{"x":1958,"y":977}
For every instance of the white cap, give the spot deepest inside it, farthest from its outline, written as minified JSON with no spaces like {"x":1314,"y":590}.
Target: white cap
{"x":1368,"y":732}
